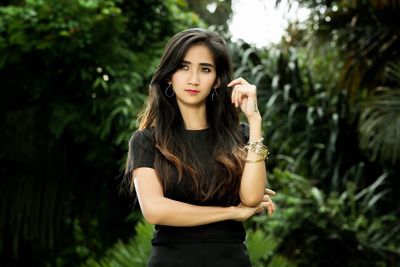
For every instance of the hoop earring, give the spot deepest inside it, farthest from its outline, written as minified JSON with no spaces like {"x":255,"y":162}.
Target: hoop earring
{"x":214,"y":95}
{"x":169,"y":94}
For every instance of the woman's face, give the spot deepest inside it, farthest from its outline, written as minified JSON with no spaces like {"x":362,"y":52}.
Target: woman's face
{"x":195,"y":77}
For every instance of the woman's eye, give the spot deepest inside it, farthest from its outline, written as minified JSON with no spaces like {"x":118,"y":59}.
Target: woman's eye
{"x":183,"y":67}
{"x":206,"y":69}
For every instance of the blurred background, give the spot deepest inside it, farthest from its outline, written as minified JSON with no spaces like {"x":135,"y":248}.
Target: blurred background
{"x":74,"y":74}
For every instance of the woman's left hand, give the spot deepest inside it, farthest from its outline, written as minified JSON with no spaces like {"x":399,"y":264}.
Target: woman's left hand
{"x":244,"y":95}
{"x":270,"y":205}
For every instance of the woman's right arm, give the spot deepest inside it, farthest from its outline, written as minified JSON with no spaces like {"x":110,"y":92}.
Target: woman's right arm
{"x":157,"y":209}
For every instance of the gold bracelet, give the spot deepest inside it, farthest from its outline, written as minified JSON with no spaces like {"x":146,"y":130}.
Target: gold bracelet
{"x":254,"y":161}
{"x":259,"y":141}
{"x":258,"y":147}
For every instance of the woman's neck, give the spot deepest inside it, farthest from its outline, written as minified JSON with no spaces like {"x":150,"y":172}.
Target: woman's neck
{"x":194,"y":118}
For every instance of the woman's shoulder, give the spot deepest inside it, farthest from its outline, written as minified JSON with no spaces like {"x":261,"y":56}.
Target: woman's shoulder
{"x":146,"y":131}
{"x":142,"y":136}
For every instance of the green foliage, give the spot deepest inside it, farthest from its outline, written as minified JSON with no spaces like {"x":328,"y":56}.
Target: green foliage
{"x":362,"y":37}
{"x":309,"y":127}
{"x":261,"y":249}
{"x":135,"y":253}
{"x":379,"y":124}
{"x":74,"y":76}
{"x":363,"y":32}
{"x":316,"y":120}
{"x":257,"y":244}
{"x":309,"y":224}
{"x":38,"y":25}
{"x":341,"y":146}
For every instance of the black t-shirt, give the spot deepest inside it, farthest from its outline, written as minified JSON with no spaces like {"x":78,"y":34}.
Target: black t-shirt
{"x":142,"y":154}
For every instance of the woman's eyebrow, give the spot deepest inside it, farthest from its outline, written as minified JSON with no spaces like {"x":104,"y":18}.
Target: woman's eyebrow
{"x":207,"y":65}
{"x":201,"y":64}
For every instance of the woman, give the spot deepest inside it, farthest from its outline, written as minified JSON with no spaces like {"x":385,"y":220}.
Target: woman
{"x":193,"y":175}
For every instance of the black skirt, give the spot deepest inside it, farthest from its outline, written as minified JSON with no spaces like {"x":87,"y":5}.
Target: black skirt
{"x":199,"y":254}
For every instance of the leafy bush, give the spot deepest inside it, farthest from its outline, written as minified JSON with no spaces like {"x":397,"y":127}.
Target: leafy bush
{"x":73,"y":75}
{"x":134,"y":253}
{"x":311,"y":228}
{"x":312,"y":130}
{"x":262,"y":248}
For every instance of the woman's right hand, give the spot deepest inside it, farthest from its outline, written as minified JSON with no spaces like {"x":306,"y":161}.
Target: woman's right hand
{"x":243,"y":212}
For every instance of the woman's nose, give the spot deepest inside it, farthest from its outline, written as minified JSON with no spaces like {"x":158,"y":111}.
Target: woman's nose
{"x":193,"y":78}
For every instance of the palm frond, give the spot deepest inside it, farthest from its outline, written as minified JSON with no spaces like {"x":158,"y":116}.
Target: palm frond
{"x":365,"y":33}
{"x":379,"y":127}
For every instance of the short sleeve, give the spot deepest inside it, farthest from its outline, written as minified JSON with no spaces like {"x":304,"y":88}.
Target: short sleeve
{"x":141,"y":150}
{"x":244,"y":131}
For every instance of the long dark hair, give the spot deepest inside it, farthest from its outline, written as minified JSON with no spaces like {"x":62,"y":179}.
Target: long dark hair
{"x":163,"y":116}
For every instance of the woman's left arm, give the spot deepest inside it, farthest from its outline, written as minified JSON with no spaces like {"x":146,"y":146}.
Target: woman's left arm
{"x":254,"y":177}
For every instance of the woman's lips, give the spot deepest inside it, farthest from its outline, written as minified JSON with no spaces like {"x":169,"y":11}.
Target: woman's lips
{"x":192,"y":91}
